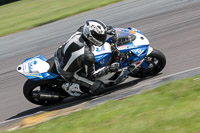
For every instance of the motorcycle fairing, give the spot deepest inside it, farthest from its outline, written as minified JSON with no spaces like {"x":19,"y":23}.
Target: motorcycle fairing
{"x":102,"y":55}
{"x":101,"y":60}
{"x":36,"y":68}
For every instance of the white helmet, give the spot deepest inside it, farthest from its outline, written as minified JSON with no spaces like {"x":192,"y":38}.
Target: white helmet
{"x":95,"y":31}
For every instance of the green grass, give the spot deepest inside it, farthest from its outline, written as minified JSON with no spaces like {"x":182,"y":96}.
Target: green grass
{"x":170,"y":108}
{"x":26,"y":14}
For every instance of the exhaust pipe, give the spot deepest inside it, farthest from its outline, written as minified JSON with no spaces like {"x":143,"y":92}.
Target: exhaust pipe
{"x":46,"y":95}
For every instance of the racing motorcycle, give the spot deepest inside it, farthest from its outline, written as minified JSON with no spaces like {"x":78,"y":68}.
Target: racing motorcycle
{"x":128,"y":46}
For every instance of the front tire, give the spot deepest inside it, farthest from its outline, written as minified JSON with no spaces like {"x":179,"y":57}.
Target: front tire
{"x":156,"y":61}
{"x":29,"y":88}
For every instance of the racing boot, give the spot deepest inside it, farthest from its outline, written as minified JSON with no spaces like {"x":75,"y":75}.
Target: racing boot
{"x":97,"y":88}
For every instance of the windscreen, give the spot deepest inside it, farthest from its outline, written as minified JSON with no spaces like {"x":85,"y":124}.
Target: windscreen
{"x":124,"y":37}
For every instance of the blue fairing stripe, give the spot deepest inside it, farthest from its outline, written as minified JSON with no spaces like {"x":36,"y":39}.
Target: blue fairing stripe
{"x":135,"y":48}
{"x":41,"y":76}
{"x":99,"y":57}
{"x":140,"y":52}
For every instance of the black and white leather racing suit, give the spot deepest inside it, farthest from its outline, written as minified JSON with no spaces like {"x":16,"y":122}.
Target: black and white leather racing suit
{"x":76,"y":55}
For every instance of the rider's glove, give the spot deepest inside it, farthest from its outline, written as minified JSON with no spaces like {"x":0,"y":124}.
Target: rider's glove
{"x":109,"y":27}
{"x":110,"y":30}
{"x":114,"y":67}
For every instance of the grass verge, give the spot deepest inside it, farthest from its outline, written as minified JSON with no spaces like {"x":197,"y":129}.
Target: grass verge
{"x":26,"y":14}
{"x":170,"y":108}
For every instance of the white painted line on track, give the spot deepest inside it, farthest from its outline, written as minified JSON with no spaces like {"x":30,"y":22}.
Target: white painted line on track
{"x":196,"y":68}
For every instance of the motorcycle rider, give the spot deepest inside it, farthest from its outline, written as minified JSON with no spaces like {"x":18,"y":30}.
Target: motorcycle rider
{"x":75,"y":61}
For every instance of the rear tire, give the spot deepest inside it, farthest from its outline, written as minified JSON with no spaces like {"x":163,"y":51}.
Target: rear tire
{"x":156,"y":61}
{"x":28,"y":89}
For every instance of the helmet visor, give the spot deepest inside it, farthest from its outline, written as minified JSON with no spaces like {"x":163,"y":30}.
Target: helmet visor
{"x":99,"y":37}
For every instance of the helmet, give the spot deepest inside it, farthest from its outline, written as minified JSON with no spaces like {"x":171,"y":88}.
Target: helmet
{"x":95,"y":31}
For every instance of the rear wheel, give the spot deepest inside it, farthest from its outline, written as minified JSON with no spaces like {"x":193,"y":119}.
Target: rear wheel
{"x":33,"y":88}
{"x":156,"y":61}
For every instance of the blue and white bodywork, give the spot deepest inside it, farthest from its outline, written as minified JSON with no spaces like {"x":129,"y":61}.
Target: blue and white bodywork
{"x":102,"y":55}
{"x":37,"y":68}
{"x":139,"y":47}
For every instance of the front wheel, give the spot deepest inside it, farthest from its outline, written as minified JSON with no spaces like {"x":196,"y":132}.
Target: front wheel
{"x":156,"y":61}
{"x":33,"y":89}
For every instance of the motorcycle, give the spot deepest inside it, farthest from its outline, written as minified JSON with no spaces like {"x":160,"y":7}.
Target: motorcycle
{"x":128,"y":46}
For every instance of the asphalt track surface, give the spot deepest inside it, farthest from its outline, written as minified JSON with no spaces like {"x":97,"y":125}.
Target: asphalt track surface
{"x":172,"y":26}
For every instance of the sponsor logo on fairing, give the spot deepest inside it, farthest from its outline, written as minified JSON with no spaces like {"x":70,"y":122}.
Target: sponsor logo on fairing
{"x":99,"y":49}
